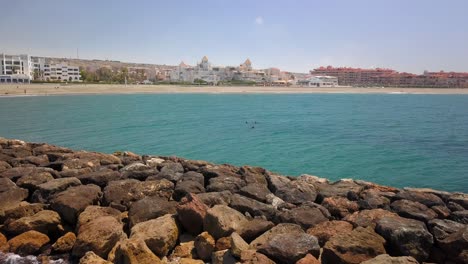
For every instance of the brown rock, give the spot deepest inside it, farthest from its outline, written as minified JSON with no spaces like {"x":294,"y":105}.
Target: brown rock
{"x":308,"y":259}
{"x":223,"y":243}
{"x":221,"y":221}
{"x":93,"y":212}
{"x":279,"y":229}
{"x":45,"y":191}
{"x":340,"y":207}
{"x":33,"y":180}
{"x":64,"y":243}
{"x":185,"y":250}
{"x":204,"y":245}
{"x":222,"y":257}
{"x":238,"y":245}
{"x":304,"y":216}
{"x":428,"y":199}
{"x":441,"y":210}
{"x":91,"y":258}
{"x":28,"y":243}
{"x":10,"y":194}
{"x":326,"y":230}
{"x":215,"y":198}
{"x":367,"y":218}
{"x":414,"y":210}
{"x":135,"y":251}
{"x":150,"y":208}
{"x":289,"y":248}
{"x":3,"y":243}
{"x":47,"y":222}
{"x":4,"y":166}
{"x":23,"y":209}
{"x":256,"y":191}
{"x":387,"y":259}
{"x":191,"y":212}
{"x":456,"y":245}
{"x":160,"y":234}
{"x":253,"y":228}
{"x":99,"y":235}
{"x":253,"y":257}
{"x":354,"y":247}
{"x":100,"y":178}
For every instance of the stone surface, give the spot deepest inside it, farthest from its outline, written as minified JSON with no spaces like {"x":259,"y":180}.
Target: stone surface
{"x":33,"y":180}
{"x":172,"y":171}
{"x":304,"y":216}
{"x":4,"y":247}
{"x":10,"y":194}
{"x":100,"y":178}
{"x":255,"y":191}
{"x":251,"y":206}
{"x":64,"y":243}
{"x":185,"y":187}
{"x":22,"y":209}
{"x":405,"y":237}
{"x":215,"y":198}
{"x":455,"y":245}
{"x":441,"y":229}
{"x":150,"y":208}
{"x":367,"y":218}
{"x":285,"y":228}
{"x":289,"y":248}
{"x":339,"y":188}
{"x":238,"y":245}
{"x":45,"y":191}
{"x":28,"y":243}
{"x":191,"y":213}
{"x":222,"y":257}
{"x":253,"y":257}
{"x":223,"y":243}
{"x":308,"y":259}
{"x":326,"y":230}
{"x":340,"y":207}
{"x":428,"y":199}
{"x":160,"y":234}
{"x":93,"y":212}
{"x":460,"y":199}
{"x":297,"y":192}
{"x":99,"y":235}
{"x":221,"y":221}
{"x":254,"y":228}
{"x":224,"y":182}
{"x":135,"y":251}
{"x":356,"y":246}
{"x":387,"y":259}
{"x":414,"y":210}
{"x":184,"y":250}
{"x":91,"y":258}
{"x":47,"y":222}
{"x":460,"y":216}
{"x":204,"y":246}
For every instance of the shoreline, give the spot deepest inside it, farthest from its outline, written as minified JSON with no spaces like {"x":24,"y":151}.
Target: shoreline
{"x":108,"y":89}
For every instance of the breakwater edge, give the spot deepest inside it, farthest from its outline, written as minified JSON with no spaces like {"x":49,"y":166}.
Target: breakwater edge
{"x":67,"y":206}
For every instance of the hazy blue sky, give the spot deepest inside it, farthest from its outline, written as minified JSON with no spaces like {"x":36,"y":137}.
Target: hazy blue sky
{"x":408,"y":35}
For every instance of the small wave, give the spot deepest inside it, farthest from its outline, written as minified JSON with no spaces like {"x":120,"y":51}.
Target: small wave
{"x":10,"y":258}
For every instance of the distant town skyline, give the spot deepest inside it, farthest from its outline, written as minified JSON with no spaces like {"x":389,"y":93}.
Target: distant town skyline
{"x":297,"y":36}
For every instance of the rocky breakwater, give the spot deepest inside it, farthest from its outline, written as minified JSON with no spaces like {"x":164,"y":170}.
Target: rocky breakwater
{"x":86,"y":207}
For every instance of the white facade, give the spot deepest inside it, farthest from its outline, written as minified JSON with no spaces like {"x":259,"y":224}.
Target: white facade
{"x":319,"y":81}
{"x":15,"y":68}
{"x":61,"y":73}
{"x":203,"y":71}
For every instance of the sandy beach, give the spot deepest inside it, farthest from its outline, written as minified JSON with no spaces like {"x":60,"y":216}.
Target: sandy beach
{"x":76,"y":89}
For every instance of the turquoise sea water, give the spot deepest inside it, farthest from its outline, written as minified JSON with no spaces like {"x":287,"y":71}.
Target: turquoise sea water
{"x":393,"y":139}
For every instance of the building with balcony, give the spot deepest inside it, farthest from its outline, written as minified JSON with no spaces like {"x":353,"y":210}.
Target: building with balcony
{"x":319,"y":81}
{"x":15,"y":68}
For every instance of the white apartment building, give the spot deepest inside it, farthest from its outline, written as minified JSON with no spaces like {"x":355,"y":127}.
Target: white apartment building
{"x":319,"y":81}
{"x":203,"y":71}
{"x":15,"y":68}
{"x":61,"y":73}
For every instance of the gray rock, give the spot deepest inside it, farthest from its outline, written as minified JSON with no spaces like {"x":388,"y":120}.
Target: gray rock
{"x":289,"y":248}
{"x":221,"y":221}
{"x":414,"y":210}
{"x":297,"y":192}
{"x":460,"y":217}
{"x":101,"y":177}
{"x":285,"y":228}
{"x":304,"y":216}
{"x":256,"y":191}
{"x":253,"y":207}
{"x":185,"y":187}
{"x":10,"y":194}
{"x":441,"y":229}
{"x":215,"y":198}
{"x":172,"y":171}
{"x":150,"y":208}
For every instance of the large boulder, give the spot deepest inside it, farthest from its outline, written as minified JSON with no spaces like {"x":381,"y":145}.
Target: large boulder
{"x":215,"y":198}
{"x":305,"y":216}
{"x":238,"y":245}
{"x":191,"y":213}
{"x":99,"y":235}
{"x":289,"y":248}
{"x":414,"y":210}
{"x":221,"y":221}
{"x":135,"y":251}
{"x":33,"y":180}
{"x":428,"y":199}
{"x":4,"y":166}
{"x":185,"y":187}
{"x":64,"y":243}
{"x":253,"y":257}
{"x":171,"y":171}
{"x":460,"y":199}
{"x":91,"y":258}
{"x":441,"y":229}
{"x":326,"y":230}
{"x":46,"y":190}
{"x":405,"y":237}
{"x":253,"y":175}
{"x":279,"y":229}
{"x":356,"y":246}
{"x":256,"y":191}
{"x":253,"y":228}
{"x":22,"y":209}
{"x":160,"y":234}
{"x":456,"y":245}
{"x":222,"y":183}
{"x":46,"y":221}
{"x":10,"y":194}
{"x":276,"y":182}
{"x":101,"y":177}
{"x":374,"y":198}
{"x":150,"y":208}
{"x":204,"y":245}
{"x":340,"y":207}
{"x":341,"y":188}
{"x":387,"y":259}
{"x":460,"y":216}
{"x":297,"y":192}
{"x":71,"y":202}
{"x":93,"y":212}
{"x":251,"y":206}
{"x":28,"y":243}
{"x":367,"y":218}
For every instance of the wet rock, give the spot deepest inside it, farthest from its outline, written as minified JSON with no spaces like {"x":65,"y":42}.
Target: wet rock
{"x":253,"y":207}
{"x":414,"y":210}
{"x":367,"y":218}
{"x":150,"y":208}
{"x":308,"y":259}
{"x":253,"y":257}
{"x":71,"y":202}
{"x":46,"y":221}
{"x":160,"y":234}
{"x":215,"y":198}
{"x":460,"y":217}
{"x":222,"y":257}
{"x":253,"y":228}
{"x":93,"y":212}
{"x":356,"y":246}
{"x":456,"y":245}
{"x":204,"y":246}
{"x":221,"y":221}
{"x":33,"y":180}
{"x":10,"y":194}
{"x":256,"y":191}
{"x":64,"y":243}
{"x":91,"y":258}
{"x":172,"y":171}
{"x":428,"y":199}
{"x":289,"y":248}
{"x":340,"y":207}
{"x":100,"y":178}
{"x":45,"y":191}
{"x":191,"y":212}
{"x":326,"y":230}
{"x":28,"y":243}
{"x":135,"y":251}
{"x":238,"y":245}
{"x":387,"y":259}
{"x":405,"y":237}
{"x":99,"y":235}
{"x":185,"y":187}
{"x":297,"y":192}
{"x":304,"y":216}
{"x":441,"y":229}
{"x":279,"y":229}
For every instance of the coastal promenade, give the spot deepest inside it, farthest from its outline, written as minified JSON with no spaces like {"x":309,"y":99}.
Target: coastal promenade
{"x":74,"y":89}
{"x":88,"y":207}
